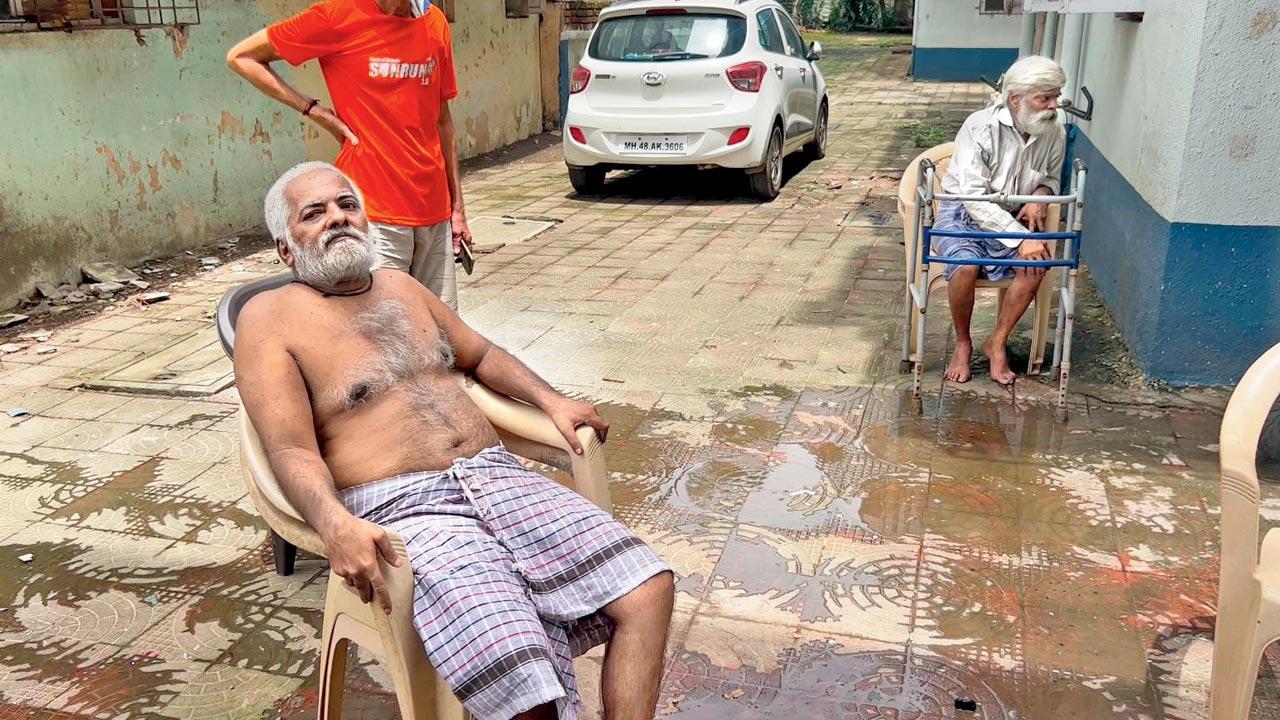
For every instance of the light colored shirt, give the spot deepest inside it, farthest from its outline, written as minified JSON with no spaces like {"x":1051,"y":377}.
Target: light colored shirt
{"x":992,"y":157}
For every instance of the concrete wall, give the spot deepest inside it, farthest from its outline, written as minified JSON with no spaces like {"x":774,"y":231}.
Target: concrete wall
{"x":500,"y":99}
{"x":952,"y":41}
{"x":1142,"y":76}
{"x":1182,"y":234}
{"x":122,"y":148}
{"x":127,"y":148}
{"x":1233,"y":144}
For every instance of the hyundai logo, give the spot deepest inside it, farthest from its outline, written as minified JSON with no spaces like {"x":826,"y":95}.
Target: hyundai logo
{"x":653,"y":79}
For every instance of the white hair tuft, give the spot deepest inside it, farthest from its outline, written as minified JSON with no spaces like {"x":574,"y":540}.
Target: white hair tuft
{"x":1030,"y":74}
{"x":275,"y":209}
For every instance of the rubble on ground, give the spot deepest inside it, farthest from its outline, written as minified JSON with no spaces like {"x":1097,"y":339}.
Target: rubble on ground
{"x":104,"y":272}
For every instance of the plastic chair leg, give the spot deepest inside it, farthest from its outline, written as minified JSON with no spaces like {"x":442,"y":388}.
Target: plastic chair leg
{"x":285,"y":554}
{"x":1235,"y":664}
{"x":1040,"y":326}
{"x":1231,"y":693}
{"x":333,"y":670}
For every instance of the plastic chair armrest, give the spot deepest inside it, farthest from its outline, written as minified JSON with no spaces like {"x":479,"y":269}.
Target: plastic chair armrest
{"x":530,"y":433}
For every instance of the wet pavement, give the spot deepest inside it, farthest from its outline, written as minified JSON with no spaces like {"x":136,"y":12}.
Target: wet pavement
{"x":839,"y":554}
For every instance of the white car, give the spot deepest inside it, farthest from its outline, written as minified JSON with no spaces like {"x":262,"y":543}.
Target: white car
{"x":710,"y":83}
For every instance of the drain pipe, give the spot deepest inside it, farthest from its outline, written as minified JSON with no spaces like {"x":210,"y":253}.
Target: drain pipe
{"x":1028,"y":45}
{"x":1072,"y":62}
{"x":1050,"y":41}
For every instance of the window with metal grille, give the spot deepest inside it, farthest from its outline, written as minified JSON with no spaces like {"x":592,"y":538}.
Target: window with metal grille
{"x":517,"y":8}
{"x":995,"y":6}
{"x":72,"y":15}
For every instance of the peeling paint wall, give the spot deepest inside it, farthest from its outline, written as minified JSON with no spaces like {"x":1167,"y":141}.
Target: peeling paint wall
{"x":126,"y":147}
{"x":496,"y":59}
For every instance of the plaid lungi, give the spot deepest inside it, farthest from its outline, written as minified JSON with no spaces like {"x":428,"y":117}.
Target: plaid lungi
{"x":511,"y":572}
{"x":952,"y":216}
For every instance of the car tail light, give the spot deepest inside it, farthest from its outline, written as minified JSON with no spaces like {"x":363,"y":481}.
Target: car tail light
{"x":577,"y":135}
{"x":579,"y":79}
{"x":747,"y":77}
{"x":665,"y":11}
{"x":739,"y":135}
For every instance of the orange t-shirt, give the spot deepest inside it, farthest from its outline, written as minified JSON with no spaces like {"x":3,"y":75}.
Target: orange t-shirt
{"x":387,"y":76}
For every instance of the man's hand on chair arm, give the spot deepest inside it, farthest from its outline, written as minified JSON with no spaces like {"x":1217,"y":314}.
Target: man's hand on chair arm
{"x":569,"y":415}
{"x":354,"y":546}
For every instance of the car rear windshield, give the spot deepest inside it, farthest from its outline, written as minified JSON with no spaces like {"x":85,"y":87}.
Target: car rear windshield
{"x":692,"y":36}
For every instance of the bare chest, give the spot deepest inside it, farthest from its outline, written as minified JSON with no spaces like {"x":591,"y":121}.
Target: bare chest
{"x":360,"y":357}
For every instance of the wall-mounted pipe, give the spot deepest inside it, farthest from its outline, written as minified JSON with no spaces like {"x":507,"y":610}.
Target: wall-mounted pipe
{"x":1050,"y":41}
{"x":1071,"y":60}
{"x":1028,"y":44}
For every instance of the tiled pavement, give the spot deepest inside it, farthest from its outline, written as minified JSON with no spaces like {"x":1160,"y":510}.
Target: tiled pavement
{"x":839,"y":555}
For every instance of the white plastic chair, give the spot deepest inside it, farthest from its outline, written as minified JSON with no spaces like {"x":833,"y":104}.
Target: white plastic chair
{"x":420,"y":693}
{"x":1249,"y":584}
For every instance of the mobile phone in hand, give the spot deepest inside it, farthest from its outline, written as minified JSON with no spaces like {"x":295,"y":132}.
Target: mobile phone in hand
{"x":465,"y":258}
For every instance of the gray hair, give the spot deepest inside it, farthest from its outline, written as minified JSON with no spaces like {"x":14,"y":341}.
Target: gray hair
{"x":275,"y":209}
{"x":1030,"y":74}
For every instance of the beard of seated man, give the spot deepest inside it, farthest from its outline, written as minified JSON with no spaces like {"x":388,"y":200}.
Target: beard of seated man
{"x":1035,"y":123}
{"x":341,"y":255}
{"x":348,"y":375}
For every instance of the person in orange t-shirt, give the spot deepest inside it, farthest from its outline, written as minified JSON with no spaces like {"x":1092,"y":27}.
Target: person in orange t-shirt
{"x":389,"y":69}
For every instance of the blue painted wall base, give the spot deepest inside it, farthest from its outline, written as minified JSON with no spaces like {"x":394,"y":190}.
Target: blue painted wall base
{"x":960,"y":64}
{"x":1196,"y":303}
{"x":565,"y":71}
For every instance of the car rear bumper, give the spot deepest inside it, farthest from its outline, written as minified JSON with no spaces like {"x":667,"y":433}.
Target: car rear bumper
{"x":707,"y":140}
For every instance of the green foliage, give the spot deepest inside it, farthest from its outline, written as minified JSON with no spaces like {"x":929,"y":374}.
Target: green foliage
{"x":849,"y":15}
{"x":926,"y":136}
{"x":807,"y":13}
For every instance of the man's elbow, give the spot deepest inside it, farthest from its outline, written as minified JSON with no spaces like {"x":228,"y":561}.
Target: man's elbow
{"x":240,"y":57}
{"x":233,"y":60}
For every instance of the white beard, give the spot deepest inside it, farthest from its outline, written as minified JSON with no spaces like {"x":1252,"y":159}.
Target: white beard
{"x":324,"y":265}
{"x":1035,"y":123}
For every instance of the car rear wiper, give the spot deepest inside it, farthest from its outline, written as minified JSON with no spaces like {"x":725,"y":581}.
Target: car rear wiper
{"x":680,"y":56}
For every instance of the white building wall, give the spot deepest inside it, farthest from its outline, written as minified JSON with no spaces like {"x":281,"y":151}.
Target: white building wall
{"x":1233,"y":140}
{"x":1143,"y":78}
{"x":958,"y":24}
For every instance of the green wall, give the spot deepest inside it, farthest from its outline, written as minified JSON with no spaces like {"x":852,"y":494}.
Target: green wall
{"x":127,"y":147}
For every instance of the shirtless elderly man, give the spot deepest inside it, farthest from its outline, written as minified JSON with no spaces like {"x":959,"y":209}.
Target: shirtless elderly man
{"x":345,"y":373}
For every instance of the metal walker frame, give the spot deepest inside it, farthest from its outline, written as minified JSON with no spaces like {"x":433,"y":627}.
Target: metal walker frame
{"x":918,"y":290}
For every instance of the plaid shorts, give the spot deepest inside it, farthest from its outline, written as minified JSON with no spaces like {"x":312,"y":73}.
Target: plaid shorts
{"x":952,"y":216}
{"x":511,"y":572}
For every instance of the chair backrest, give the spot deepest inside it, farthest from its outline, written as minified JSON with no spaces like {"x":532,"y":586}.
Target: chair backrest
{"x":940,"y":155}
{"x":1238,"y":447}
{"x":234,"y":301}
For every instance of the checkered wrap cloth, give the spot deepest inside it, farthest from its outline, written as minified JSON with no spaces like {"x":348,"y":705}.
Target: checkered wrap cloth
{"x":953,"y":216}
{"x":511,"y":571}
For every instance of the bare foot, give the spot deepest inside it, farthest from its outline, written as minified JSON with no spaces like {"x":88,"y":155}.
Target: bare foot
{"x":1000,"y":370}
{"x":958,"y":369}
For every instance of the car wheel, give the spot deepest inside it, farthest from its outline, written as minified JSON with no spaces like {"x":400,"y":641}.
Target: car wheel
{"x":587,"y":180}
{"x":767,"y":183}
{"x":817,"y":148}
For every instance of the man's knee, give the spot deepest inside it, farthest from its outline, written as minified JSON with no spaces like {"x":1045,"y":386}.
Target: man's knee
{"x":655,"y":596}
{"x":1029,"y":276}
{"x":965,"y":273}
